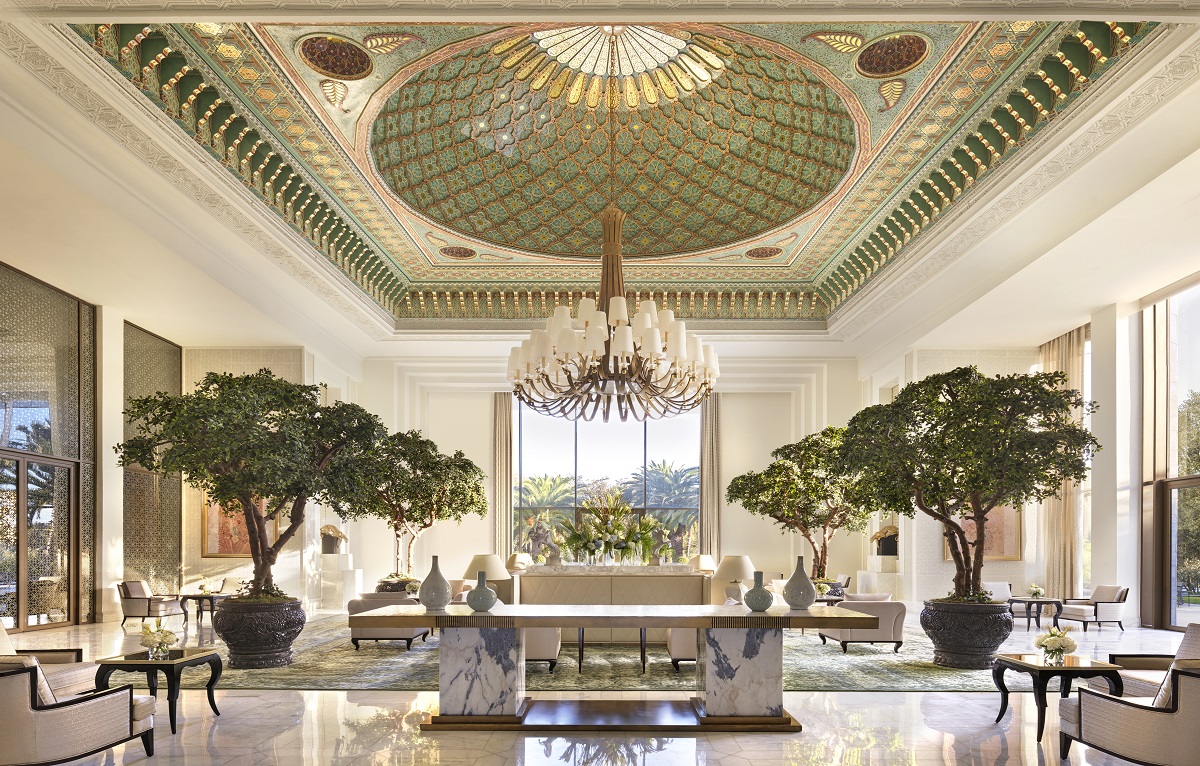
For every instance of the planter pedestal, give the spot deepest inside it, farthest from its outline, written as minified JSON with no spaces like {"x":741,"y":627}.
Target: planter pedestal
{"x":259,"y":635}
{"x":966,"y":635}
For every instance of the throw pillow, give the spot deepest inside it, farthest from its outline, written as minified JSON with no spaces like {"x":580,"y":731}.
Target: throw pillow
{"x":1166,"y":693}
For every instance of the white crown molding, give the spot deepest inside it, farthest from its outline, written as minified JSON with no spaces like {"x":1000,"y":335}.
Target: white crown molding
{"x":504,"y":11}
{"x":67,"y":67}
{"x":1121,"y":100}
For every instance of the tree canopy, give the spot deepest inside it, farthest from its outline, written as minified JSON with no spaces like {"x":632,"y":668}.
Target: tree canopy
{"x":247,"y":439}
{"x":957,"y":445}
{"x":805,"y":490}
{"x":408,"y":483}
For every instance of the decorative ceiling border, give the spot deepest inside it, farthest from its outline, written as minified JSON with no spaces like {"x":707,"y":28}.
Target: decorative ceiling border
{"x":54,"y":60}
{"x":596,"y":10}
{"x":982,"y":217}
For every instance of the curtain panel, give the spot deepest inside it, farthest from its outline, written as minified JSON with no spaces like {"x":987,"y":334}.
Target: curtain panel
{"x":1061,"y":517}
{"x":710,"y":476}
{"x":502,"y":474}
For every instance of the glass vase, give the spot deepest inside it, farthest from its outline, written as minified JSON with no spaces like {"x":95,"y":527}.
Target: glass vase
{"x":1053,"y":656}
{"x":158,"y":652}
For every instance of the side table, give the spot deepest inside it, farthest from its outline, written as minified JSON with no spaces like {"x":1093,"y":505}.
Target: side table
{"x":1033,"y":608}
{"x":1074,"y":666}
{"x":201,"y":598}
{"x":172,"y":667}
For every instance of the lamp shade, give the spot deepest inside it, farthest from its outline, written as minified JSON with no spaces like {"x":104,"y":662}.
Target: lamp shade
{"x":703,"y":563}
{"x":734,"y":568}
{"x":493,"y":566}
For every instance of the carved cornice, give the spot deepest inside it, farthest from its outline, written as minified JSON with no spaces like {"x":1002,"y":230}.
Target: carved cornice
{"x":1060,"y":155}
{"x":57,"y":59}
{"x":503,"y":11}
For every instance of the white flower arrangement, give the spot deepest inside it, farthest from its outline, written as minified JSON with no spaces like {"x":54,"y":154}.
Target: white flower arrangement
{"x":156,"y":637}
{"x":1056,"y":641}
{"x":1036,"y":591}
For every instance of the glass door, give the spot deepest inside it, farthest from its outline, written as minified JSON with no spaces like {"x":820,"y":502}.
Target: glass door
{"x":38,"y":549}
{"x":1183,"y":552}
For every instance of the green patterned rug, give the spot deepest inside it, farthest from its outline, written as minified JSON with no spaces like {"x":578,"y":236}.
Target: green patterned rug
{"x":324,"y":659}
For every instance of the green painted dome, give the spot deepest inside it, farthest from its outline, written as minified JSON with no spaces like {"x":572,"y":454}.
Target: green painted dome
{"x":484,"y":148}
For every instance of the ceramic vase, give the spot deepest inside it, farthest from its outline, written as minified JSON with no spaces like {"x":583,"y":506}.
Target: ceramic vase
{"x":435,"y":589}
{"x":758,"y":598}
{"x":481,"y":598}
{"x":799,"y":592}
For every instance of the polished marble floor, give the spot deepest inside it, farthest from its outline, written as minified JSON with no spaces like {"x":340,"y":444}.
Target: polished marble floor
{"x":380,"y":728}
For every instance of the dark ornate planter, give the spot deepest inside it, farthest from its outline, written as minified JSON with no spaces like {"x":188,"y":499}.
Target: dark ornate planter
{"x":965,"y":635}
{"x":259,"y":635}
{"x":394,"y":586}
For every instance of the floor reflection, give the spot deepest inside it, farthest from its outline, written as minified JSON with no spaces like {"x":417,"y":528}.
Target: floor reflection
{"x":391,"y":736}
{"x":602,"y":750}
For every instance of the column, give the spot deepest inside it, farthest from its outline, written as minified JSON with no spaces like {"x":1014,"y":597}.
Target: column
{"x":482,"y":671}
{"x":110,"y":481}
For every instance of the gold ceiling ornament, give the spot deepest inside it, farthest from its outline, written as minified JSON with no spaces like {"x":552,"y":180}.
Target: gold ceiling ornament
{"x":597,"y":361}
{"x":650,"y":63}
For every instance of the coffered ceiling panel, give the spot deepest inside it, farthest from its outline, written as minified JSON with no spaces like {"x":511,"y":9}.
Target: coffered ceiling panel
{"x":768,"y":171}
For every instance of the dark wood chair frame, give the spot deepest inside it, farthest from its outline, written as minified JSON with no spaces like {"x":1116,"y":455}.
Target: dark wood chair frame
{"x":845,"y":644}
{"x":408,"y":642}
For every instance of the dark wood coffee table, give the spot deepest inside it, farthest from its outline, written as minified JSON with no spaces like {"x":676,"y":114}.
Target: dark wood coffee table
{"x":201,"y":599}
{"x":1074,"y":666}
{"x":172,"y":667}
{"x":1033,"y":608}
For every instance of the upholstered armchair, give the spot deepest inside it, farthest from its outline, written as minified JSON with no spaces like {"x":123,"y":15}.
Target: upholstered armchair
{"x":369,"y":601}
{"x":682,"y":645}
{"x":1106,"y":603}
{"x":541,"y":644}
{"x":137,"y":600}
{"x":1142,"y":675}
{"x":1002,"y":592}
{"x":891,"y":622}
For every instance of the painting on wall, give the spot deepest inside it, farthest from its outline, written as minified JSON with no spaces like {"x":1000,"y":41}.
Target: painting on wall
{"x":1003,"y":541}
{"x":225,"y":535}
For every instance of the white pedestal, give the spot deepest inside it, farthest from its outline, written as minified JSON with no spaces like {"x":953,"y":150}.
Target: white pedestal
{"x":741,"y":671}
{"x":340,"y":581}
{"x":481,"y":671}
{"x":881,"y":582}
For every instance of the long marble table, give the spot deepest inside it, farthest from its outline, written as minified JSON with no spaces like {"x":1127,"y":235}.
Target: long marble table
{"x":739,"y":676}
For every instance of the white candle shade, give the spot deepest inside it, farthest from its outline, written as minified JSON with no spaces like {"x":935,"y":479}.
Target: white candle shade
{"x":734,"y":568}
{"x":617,"y":313}
{"x":489,"y":563}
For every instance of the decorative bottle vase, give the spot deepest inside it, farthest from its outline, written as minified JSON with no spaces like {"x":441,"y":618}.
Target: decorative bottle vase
{"x":435,"y":589}
{"x":481,"y":598}
{"x":758,"y":598}
{"x":799,"y":592}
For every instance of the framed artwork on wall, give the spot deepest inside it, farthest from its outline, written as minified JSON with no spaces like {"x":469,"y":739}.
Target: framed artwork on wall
{"x":1003,"y":536}
{"x":225,"y":535}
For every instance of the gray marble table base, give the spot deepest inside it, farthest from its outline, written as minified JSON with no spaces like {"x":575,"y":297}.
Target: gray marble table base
{"x":482,"y":671}
{"x":742,"y":671}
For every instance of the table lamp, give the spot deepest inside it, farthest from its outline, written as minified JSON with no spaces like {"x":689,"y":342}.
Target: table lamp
{"x":493,"y":566}
{"x":703,"y":563}
{"x":732,"y":570}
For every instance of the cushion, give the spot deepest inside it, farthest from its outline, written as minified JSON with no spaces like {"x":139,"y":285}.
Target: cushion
{"x":68,"y":679}
{"x":1105,"y":593}
{"x":1068,"y":715}
{"x":868,"y":596}
{"x":143,"y":707}
{"x":6,"y":647}
{"x":1137,"y":683}
{"x":137,"y":589}
{"x":14,"y":661}
{"x":1189,"y":648}
{"x":1079,"y":611}
{"x":1166,"y":691}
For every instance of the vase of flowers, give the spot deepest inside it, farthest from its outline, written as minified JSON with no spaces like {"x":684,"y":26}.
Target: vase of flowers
{"x":1036,"y":591}
{"x":1055,"y":645}
{"x":158,"y":642}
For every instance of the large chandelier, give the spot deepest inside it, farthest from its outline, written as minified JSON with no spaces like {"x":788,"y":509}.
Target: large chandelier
{"x":597,"y":361}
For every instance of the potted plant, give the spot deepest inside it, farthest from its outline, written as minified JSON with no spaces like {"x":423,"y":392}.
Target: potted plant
{"x":807,"y":491}
{"x":955,"y":446}
{"x":261,"y":447}
{"x":406,"y":481}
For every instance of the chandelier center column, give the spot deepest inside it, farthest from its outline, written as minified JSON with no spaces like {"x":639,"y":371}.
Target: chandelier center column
{"x":612,"y":281}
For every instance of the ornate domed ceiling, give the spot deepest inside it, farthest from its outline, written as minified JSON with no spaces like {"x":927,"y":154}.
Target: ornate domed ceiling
{"x":504,"y":144}
{"x":769,"y":171}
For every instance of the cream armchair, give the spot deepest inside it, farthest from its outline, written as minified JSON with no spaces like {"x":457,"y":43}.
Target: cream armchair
{"x":369,"y":601}
{"x":1106,"y":603}
{"x":137,"y":600}
{"x":891,"y":623}
{"x":682,"y":645}
{"x":541,"y":644}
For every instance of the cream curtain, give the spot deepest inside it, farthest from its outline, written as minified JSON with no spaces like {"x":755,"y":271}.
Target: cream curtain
{"x":710,"y":476}
{"x":1062,"y":528}
{"x":502,"y":489}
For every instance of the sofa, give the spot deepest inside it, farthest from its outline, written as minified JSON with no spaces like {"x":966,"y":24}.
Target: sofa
{"x":368,"y":601}
{"x":891,"y":621}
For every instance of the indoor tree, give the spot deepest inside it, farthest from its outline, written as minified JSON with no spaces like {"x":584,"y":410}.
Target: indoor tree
{"x":259,"y":446}
{"x":408,"y":483}
{"x":957,"y":445}
{"x":805,"y":490}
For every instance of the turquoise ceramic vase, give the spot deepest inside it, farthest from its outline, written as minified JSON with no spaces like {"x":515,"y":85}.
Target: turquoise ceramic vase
{"x":799,"y":593}
{"x":481,"y":598}
{"x":435,"y":589}
{"x":758,"y":598}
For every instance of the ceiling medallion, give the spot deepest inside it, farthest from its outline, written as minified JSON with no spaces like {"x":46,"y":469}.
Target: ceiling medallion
{"x":597,"y":361}
{"x":458,"y":253}
{"x":336,"y":57}
{"x":651,"y":64}
{"x":764,"y":253}
{"x":892,"y":55}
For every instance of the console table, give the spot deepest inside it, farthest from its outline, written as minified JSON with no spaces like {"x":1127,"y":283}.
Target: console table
{"x":739,"y":676}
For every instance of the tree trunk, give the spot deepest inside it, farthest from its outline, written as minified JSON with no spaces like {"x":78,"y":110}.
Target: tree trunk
{"x":977,"y":562}
{"x":408,"y":556}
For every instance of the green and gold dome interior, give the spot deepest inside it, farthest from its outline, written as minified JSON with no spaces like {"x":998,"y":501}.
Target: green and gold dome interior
{"x":768,"y":171}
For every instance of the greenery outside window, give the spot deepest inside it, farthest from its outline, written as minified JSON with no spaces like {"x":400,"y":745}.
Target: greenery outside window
{"x":558,"y":464}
